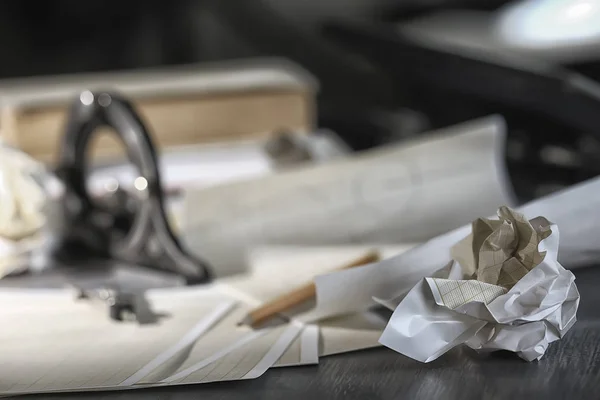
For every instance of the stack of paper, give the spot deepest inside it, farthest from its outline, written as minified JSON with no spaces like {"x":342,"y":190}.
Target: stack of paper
{"x":55,"y":343}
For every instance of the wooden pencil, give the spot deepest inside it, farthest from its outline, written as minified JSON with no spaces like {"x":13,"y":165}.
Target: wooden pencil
{"x":297,"y":296}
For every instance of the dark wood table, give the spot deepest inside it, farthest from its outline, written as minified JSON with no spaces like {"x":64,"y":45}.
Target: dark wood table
{"x":569,"y":370}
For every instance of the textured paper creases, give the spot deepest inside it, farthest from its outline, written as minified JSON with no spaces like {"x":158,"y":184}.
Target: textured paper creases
{"x":521,"y":299}
{"x":501,"y":252}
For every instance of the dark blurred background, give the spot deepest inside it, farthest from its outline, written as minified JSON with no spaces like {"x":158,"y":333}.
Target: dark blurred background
{"x":364,"y":98}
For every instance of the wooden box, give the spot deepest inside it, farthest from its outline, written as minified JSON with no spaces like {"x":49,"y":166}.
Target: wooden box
{"x":184,"y":105}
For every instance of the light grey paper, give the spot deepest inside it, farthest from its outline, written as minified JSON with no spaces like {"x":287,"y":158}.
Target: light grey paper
{"x":574,"y":210}
{"x":406,"y":193}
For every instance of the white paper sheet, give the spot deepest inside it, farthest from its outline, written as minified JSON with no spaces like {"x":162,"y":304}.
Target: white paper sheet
{"x":230,"y":351}
{"x":248,"y":358}
{"x":273,"y":271}
{"x":573,"y":210}
{"x":288,"y":266}
{"x":304,"y":350}
{"x":186,"y":341}
{"x":338,"y":335}
{"x":410,"y":192}
{"x":65,"y":345}
{"x":209,"y":165}
{"x":350,"y":333}
{"x":224,"y":350}
{"x":439,"y":314}
{"x":197,"y":166}
{"x":224,"y":340}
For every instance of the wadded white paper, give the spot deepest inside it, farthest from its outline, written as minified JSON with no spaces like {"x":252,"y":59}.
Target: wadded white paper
{"x":503,"y":290}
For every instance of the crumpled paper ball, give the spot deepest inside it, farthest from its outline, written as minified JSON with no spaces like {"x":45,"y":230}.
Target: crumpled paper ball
{"x":22,"y":195}
{"x":503,"y":289}
{"x":502,"y":251}
{"x":23,"y":201}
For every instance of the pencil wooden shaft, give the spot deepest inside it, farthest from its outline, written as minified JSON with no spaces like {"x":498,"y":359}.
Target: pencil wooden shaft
{"x":282,"y":304}
{"x":299,"y":295}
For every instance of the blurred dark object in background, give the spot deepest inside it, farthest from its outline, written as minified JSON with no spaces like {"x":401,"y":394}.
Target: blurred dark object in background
{"x":361,"y":99}
{"x":67,"y":36}
{"x":453,"y":66}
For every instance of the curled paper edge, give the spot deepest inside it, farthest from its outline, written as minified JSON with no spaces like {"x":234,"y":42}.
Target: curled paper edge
{"x":573,"y":209}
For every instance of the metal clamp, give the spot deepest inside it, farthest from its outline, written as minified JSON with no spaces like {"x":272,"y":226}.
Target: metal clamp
{"x":138,"y":234}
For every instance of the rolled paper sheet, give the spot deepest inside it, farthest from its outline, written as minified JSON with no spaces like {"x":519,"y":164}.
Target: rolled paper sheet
{"x":574,"y":209}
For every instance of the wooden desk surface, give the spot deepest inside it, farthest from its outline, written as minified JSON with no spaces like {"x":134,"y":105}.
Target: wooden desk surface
{"x":569,"y":370}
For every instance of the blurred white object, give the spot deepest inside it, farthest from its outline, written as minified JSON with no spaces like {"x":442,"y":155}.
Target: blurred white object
{"x":570,"y":25}
{"x":23,"y":199}
{"x":325,"y":145}
{"x":16,"y":257}
{"x":559,"y":31}
{"x":195,"y":167}
{"x":447,"y":310}
{"x":22,"y":195}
